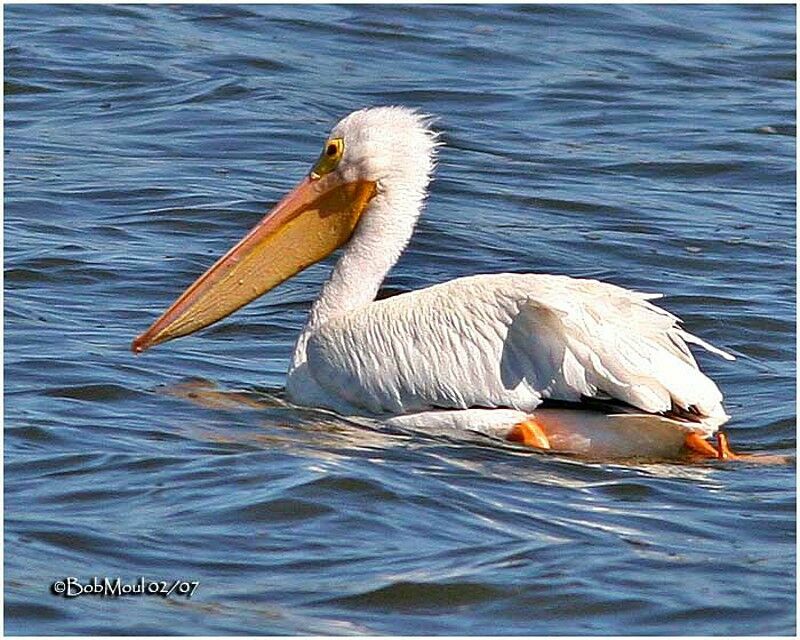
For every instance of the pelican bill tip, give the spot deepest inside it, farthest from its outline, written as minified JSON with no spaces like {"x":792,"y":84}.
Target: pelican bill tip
{"x":140,"y":344}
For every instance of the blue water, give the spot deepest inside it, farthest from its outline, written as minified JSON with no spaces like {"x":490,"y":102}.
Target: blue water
{"x":653,"y":147}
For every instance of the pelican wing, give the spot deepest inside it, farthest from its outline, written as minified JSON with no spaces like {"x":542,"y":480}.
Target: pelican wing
{"x":512,"y":340}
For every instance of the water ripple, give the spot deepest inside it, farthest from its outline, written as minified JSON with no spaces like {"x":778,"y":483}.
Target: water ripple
{"x":653,"y":147}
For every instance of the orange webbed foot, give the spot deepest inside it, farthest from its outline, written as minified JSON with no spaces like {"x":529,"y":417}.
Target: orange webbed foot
{"x":723,"y":450}
{"x":695,"y":443}
{"x":698,"y":445}
{"x":530,"y":433}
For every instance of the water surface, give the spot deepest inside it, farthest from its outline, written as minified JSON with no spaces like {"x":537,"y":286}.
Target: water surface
{"x":652,"y":147}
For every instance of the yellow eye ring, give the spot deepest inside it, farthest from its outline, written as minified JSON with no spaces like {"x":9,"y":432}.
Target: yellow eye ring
{"x":329,"y":159}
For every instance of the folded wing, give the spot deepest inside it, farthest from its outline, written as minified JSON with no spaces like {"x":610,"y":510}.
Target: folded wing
{"x":513,"y":340}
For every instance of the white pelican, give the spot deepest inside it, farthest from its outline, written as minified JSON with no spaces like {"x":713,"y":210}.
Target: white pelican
{"x":481,"y":352}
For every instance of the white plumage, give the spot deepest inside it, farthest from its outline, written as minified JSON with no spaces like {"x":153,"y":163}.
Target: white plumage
{"x":475,"y":352}
{"x":504,"y":340}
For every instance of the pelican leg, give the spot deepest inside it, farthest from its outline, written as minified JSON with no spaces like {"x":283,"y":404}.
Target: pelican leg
{"x":530,"y":433}
{"x":723,"y":450}
{"x":695,"y":443}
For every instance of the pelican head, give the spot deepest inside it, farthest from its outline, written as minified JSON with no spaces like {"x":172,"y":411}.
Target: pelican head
{"x":366,"y":188}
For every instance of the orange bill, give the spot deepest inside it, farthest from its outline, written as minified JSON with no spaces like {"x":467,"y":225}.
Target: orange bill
{"x":310,"y":223}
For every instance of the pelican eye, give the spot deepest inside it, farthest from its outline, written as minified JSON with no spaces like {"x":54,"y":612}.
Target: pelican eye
{"x":329,"y":158}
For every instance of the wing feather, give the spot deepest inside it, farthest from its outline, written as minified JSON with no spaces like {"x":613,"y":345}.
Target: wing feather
{"x":512,"y":340}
